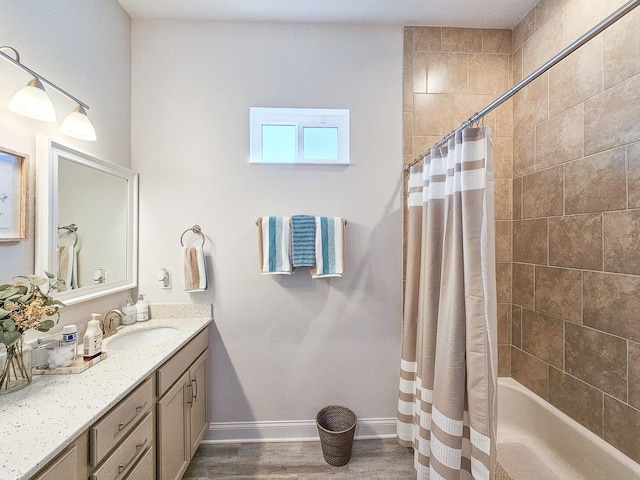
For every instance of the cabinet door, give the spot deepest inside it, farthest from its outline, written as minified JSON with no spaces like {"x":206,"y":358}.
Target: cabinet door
{"x":63,"y":468}
{"x":173,"y":431}
{"x":198,"y":375}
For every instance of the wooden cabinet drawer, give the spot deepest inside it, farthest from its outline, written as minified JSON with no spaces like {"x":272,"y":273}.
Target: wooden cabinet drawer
{"x":174,"y":368}
{"x":144,"y":469}
{"x":128,"y":452}
{"x":64,"y":468}
{"x":106,"y":433}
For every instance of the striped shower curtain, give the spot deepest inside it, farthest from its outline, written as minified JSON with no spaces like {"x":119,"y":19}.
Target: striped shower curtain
{"x":447,"y":402}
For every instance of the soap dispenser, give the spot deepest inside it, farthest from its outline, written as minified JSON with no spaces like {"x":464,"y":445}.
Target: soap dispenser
{"x":142,"y":309}
{"x":92,"y":345}
{"x":129,"y":311}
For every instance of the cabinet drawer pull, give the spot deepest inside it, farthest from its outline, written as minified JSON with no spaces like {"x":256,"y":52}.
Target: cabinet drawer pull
{"x":139,"y":447}
{"x":195,"y":395}
{"x":121,"y":426}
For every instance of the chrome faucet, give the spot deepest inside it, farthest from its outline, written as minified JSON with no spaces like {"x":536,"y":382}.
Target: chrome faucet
{"x":108,"y":325}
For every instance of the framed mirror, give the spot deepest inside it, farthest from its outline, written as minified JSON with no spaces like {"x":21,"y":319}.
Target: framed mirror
{"x":13,"y":196}
{"x":87,"y":223}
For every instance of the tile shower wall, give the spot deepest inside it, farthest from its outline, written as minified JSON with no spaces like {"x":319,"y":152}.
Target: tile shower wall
{"x":449,"y":74}
{"x":576,"y":218}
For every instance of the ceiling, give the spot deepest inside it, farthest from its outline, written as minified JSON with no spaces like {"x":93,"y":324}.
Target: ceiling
{"x":451,"y":13}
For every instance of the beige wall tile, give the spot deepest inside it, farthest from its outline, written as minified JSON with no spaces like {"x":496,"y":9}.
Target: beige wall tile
{"x":524,"y":148}
{"x":611,"y":118}
{"x":522,"y":285}
{"x":497,"y":41}
{"x":558,"y":292}
{"x":576,"y":78}
{"x":542,"y":193}
{"x":502,"y":199}
{"x":433,"y":114}
{"x":407,"y":92}
{"x":622,"y":242}
{"x":542,"y":337}
{"x":529,"y":371}
{"x":419,"y":72}
{"x":612,"y":303}
{"x":468,"y":40}
{"x":542,"y":45}
{"x":577,"y":399}
{"x":530,"y":105}
{"x":502,"y":157}
{"x":517,"y":198}
{"x":633,"y":166}
{"x":596,"y":183}
{"x":523,"y":30}
{"x":503,"y":241}
{"x":503,"y":282}
{"x":407,"y":134}
{"x":581,"y":15}
{"x":488,"y":74}
{"x":504,"y":119}
{"x":621,"y":426}
{"x":467,"y":105}
{"x":407,"y":61}
{"x":427,"y":39}
{"x":530,"y":241}
{"x":545,"y":10}
{"x":597,"y":358}
{"x":447,"y":73}
{"x":516,"y":326}
{"x":559,"y":139}
{"x":504,"y":324}
{"x":504,"y":360}
{"x":422,"y":143}
{"x":621,"y":47}
{"x":576,"y":241}
{"x":634,"y":374}
{"x":516,"y":67}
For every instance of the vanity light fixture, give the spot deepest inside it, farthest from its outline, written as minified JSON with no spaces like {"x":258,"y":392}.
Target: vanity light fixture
{"x":32,"y":101}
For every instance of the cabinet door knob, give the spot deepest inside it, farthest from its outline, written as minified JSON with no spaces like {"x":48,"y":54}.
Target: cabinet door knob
{"x":195,"y":390}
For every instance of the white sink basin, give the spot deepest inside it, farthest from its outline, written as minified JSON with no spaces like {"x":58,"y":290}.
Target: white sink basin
{"x":141,"y":338}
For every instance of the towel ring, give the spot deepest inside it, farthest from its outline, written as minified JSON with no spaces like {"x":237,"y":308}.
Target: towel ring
{"x":195,"y":229}
{"x":72,"y":228}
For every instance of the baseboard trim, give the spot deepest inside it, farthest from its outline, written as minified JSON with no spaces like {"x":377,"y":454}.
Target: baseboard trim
{"x":291,"y":431}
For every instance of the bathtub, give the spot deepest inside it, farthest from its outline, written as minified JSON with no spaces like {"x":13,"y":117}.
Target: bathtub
{"x":536,"y":441}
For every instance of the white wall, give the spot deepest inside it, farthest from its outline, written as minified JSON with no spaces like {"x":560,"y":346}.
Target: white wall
{"x":85,"y":48}
{"x":283,"y":346}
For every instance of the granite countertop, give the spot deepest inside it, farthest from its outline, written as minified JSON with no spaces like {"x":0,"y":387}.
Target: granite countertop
{"x":39,"y":421}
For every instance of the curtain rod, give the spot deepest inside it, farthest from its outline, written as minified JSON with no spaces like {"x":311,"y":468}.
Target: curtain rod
{"x":599,"y":28}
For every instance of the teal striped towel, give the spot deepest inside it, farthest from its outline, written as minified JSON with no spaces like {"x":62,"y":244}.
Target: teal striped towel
{"x":275,"y":245}
{"x":303,"y":240}
{"x":329,"y":248}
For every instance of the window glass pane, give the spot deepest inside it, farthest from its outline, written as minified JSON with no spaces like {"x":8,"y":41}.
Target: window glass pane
{"x":278,"y":143}
{"x":320,"y":143}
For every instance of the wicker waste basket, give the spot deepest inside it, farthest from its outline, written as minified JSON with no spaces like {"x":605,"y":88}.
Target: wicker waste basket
{"x":336,"y":426}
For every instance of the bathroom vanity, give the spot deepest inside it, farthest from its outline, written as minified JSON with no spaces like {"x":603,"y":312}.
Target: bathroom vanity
{"x":139,"y":414}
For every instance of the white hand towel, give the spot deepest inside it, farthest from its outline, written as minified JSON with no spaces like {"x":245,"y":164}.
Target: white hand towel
{"x":195,"y":269}
{"x":274,"y":245}
{"x":329,"y":248}
{"x":67,"y":267}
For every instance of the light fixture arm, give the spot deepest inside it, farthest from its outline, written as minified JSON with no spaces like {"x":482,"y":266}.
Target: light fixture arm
{"x":16,"y":62}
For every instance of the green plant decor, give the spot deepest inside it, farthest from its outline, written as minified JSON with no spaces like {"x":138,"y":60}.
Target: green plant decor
{"x":24,"y":306}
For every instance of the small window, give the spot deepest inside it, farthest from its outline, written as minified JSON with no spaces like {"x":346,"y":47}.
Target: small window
{"x":299,"y":136}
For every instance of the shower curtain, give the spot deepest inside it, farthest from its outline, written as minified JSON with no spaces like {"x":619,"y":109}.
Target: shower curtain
{"x":447,"y":401}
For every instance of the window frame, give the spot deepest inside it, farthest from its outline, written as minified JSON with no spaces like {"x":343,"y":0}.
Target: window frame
{"x":300,"y":118}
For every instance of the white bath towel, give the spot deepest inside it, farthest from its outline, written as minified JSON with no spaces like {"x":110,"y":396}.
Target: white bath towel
{"x":329,"y":248}
{"x":67,"y":267}
{"x":195,"y":269}
{"x":274,"y":245}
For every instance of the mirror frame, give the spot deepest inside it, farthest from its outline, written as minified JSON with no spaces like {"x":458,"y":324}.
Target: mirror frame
{"x":48,"y":153}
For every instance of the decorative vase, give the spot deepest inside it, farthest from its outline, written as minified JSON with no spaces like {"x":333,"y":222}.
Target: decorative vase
{"x":15,"y":368}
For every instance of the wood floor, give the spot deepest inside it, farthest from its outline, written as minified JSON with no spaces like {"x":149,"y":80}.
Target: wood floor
{"x":370,"y":460}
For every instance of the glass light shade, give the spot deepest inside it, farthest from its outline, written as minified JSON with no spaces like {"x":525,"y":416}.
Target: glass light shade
{"x":78,"y":125}
{"x":33,"y":102}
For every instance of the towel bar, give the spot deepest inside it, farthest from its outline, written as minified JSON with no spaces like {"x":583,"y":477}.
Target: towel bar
{"x":344,"y":220}
{"x":195,"y":229}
